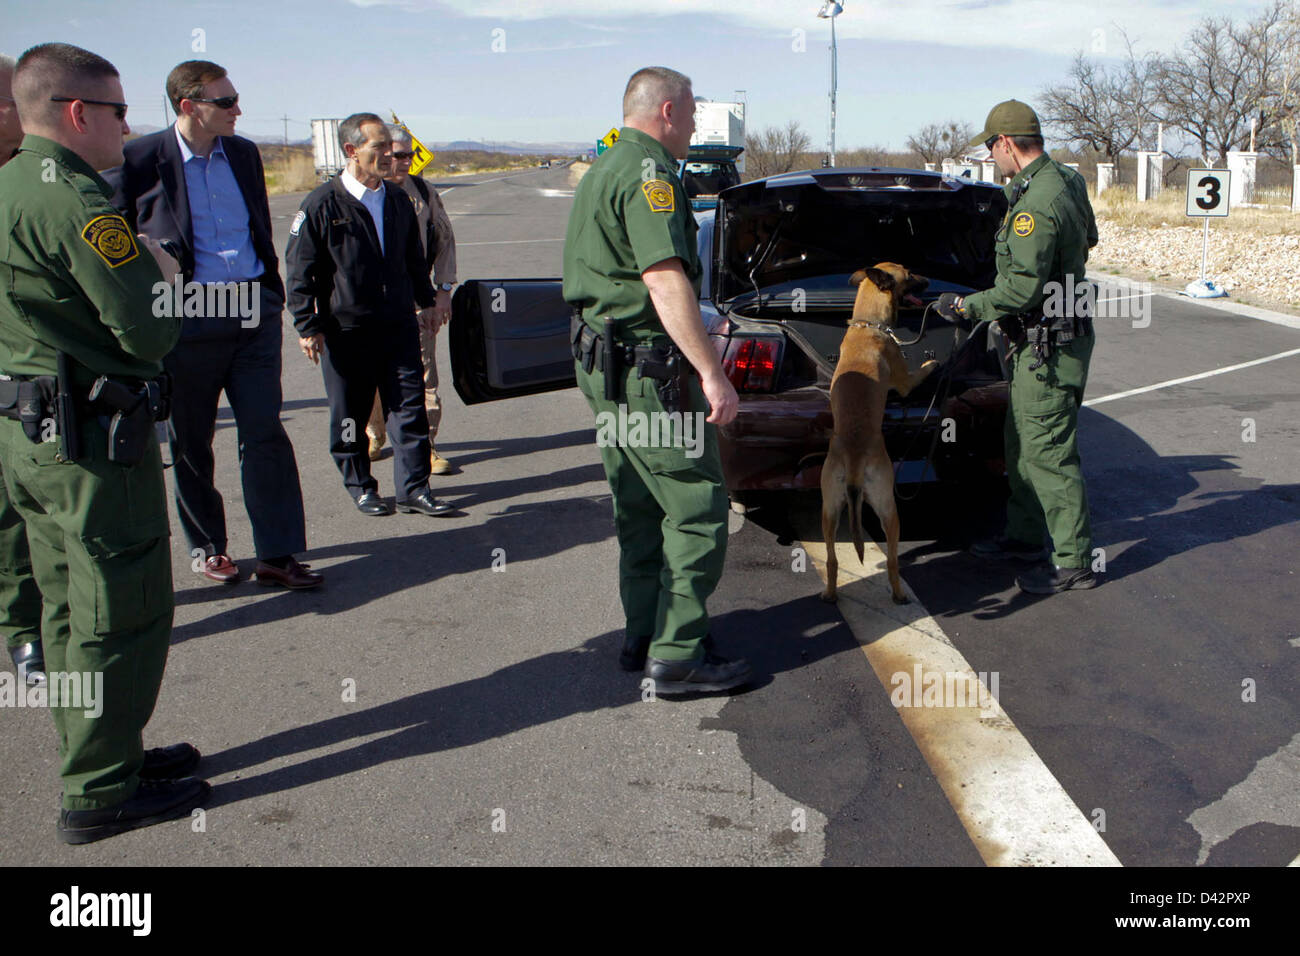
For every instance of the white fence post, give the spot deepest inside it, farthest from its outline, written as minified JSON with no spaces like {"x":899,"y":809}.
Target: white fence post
{"x":1242,"y":166}
{"x":1150,"y":175}
{"x":1295,"y":188}
{"x":1105,"y":177}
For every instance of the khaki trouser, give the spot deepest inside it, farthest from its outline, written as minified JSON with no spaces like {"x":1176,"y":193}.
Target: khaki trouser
{"x":376,"y":429}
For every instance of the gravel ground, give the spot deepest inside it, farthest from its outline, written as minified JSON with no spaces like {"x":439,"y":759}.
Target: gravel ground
{"x":1257,"y":269}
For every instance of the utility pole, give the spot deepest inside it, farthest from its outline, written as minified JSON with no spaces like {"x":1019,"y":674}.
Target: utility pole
{"x":286,"y":131}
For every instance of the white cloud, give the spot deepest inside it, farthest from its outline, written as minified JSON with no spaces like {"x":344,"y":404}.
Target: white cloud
{"x":1044,"y":26}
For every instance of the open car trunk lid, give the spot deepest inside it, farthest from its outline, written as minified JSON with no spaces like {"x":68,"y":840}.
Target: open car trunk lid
{"x":809,"y":231}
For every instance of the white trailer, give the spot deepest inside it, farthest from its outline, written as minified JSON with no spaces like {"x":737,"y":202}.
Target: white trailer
{"x":325,"y":146}
{"x":720,"y":124}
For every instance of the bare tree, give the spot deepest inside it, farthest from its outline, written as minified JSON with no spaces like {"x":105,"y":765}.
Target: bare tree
{"x":937,"y":141}
{"x":1282,"y":138}
{"x":1108,"y":110}
{"x":776,"y":150}
{"x":1224,"y":76}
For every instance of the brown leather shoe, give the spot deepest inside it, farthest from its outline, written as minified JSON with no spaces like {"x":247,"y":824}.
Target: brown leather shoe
{"x":221,"y":569}
{"x":437,"y":464}
{"x":296,"y":576}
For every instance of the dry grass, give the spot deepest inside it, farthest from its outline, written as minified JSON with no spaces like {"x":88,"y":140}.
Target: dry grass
{"x":293,"y":171}
{"x":1120,"y":206}
{"x":577,"y":171}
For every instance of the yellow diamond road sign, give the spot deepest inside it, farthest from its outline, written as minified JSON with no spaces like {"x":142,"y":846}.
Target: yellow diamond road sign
{"x":422,"y":156}
{"x":610,"y":138}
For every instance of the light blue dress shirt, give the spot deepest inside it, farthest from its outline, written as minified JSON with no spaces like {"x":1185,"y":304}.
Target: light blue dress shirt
{"x":223,"y":242}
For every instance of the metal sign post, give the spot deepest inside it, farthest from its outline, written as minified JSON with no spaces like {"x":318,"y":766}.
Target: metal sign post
{"x":1207,"y":198}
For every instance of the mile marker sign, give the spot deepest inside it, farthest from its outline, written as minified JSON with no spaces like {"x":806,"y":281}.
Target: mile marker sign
{"x":1207,"y":192}
{"x":1207,"y":198}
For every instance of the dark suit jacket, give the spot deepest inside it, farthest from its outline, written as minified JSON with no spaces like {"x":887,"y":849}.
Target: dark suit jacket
{"x":149,"y":188}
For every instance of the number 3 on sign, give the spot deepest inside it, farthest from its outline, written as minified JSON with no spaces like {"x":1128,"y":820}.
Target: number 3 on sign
{"x":1207,"y":192}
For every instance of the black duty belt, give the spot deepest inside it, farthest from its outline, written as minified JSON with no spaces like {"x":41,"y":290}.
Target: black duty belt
{"x":662,"y":362}
{"x":1044,"y":334}
{"x":126,"y":407}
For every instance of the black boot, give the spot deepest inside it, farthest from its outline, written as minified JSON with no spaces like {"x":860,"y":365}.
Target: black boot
{"x":29,"y":660}
{"x":709,"y":674}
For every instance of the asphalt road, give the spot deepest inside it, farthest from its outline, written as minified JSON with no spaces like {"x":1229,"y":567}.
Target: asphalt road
{"x":491,"y":724}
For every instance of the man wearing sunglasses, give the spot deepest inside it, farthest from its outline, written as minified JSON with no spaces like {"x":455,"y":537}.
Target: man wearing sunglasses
{"x":439,"y":245}
{"x":1041,"y":250}
{"x":202,"y":188}
{"x":76,"y":320}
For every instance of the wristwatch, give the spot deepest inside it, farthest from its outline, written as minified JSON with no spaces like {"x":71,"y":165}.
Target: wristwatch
{"x":445,"y":286}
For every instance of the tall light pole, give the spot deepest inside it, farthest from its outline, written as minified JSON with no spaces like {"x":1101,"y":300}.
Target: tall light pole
{"x":829,"y":11}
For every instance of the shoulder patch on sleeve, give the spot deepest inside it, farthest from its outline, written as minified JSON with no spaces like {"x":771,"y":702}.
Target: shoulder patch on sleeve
{"x":298,"y":220}
{"x":658,"y":194}
{"x":111,"y":238}
{"x":1023,"y":224}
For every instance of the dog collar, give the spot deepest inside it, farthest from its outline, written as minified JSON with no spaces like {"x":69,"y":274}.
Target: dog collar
{"x":864,"y":324}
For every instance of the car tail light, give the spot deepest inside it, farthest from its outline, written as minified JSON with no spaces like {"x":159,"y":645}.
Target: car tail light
{"x":751,"y":363}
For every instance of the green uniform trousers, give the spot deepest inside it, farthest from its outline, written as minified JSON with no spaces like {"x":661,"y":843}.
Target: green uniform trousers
{"x":20,"y":600}
{"x":1042,"y":448}
{"x":100,"y":556}
{"x":670,"y":512}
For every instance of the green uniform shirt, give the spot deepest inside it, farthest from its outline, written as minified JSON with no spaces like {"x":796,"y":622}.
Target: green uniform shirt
{"x":630,"y":211}
{"x":72,"y":276}
{"x":1044,"y":237}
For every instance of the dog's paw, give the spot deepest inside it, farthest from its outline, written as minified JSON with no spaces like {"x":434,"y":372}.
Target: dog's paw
{"x":900,"y":599}
{"x":830,"y":597}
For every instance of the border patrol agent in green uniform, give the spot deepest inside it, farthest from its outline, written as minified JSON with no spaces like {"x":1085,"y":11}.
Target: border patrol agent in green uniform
{"x":1042,"y":248}
{"x":632,"y":274}
{"x":20,"y":601}
{"x":82,"y":346}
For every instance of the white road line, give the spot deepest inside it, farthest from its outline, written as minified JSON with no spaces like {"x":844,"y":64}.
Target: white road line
{"x":506,"y":242}
{"x":1015,"y":810}
{"x":1190,"y":378}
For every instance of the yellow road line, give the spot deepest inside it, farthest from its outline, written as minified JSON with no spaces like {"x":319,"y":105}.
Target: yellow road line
{"x":1015,"y":810}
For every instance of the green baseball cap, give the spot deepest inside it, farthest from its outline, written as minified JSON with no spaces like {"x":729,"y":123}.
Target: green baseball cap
{"x":1012,"y":118}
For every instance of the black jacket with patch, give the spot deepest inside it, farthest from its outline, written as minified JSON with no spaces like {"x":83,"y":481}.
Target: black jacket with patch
{"x":337,"y":277}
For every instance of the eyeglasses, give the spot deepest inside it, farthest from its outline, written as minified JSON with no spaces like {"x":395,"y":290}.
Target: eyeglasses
{"x":221,"y":102}
{"x":402,"y":155}
{"x":119,"y":109}
{"x":988,"y":143}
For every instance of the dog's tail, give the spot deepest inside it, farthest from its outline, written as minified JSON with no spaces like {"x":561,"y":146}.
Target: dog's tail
{"x":855,"y":519}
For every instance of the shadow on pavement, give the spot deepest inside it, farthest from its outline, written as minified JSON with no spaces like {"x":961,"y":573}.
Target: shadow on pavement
{"x":374,"y":569}
{"x":528,"y":694}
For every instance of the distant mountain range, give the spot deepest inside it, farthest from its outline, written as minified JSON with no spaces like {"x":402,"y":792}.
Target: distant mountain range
{"x":560,"y":149}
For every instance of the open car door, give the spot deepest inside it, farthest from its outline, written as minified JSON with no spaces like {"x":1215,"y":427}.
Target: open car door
{"x":509,"y":337}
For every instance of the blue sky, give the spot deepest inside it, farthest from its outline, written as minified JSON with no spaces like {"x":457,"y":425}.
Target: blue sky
{"x":554,"y":70}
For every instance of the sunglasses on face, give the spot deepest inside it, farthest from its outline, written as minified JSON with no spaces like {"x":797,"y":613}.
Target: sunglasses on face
{"x":402,"y":155}
{"x":988,"y":143}
{"x":221,"y":102}
{"x":119,"y":109}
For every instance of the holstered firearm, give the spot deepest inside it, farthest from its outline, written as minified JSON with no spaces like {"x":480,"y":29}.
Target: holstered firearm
{"x":66,"y":418}
{"x":670,"y":374}
{"x":134,"y":412}
{"x":1013,"y":327}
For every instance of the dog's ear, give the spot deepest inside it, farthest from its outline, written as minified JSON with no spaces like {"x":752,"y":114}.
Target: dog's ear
{"x":878,"y":277}
{"x":857,"y":277}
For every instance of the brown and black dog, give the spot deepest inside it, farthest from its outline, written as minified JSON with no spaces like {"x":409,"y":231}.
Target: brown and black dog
{"x":870,"y":364}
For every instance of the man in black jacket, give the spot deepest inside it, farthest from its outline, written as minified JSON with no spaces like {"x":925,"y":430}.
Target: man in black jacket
{"x":201,"y":188}
{"x":356,"y":273}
